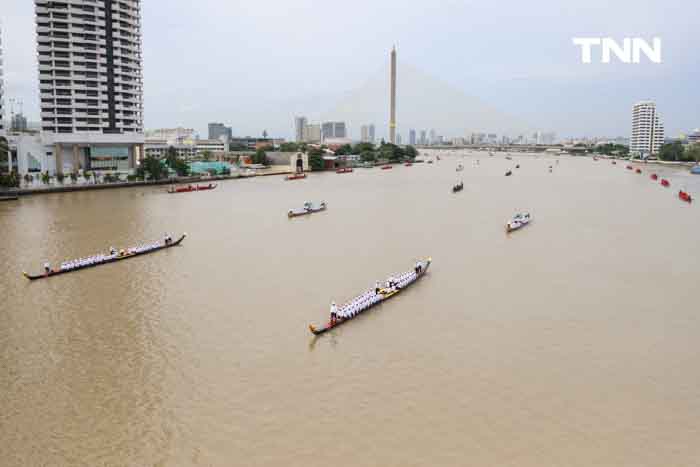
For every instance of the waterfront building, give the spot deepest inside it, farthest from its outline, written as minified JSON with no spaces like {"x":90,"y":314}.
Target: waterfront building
{"x":173,"y":136}
{"x":299,"y":126}
{"x":694,"y":136}
{"x":333,"y":130}
{"x":219,"y":131}
{"x":412,"y":137}
{"x":90,"y":82}
{"x":647,"y":130}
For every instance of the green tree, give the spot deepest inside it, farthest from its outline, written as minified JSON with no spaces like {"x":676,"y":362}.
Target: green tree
{"x":344,"y":150}
{"x":289,"y":146}
{"x":152,"y":168}
{"x":411,"y":152}
{"x":672,"y":152}
{"x":206,"y":155}
{"x":692,"y":153}
{"x":28,"y":179}
{"x":177,"y":163}
{"x":316,"y":158}
{"x":367,"y":156}
{"x":45,"y":178}
{"x":4,"y":153}
{"x":392,"y":152}
{"x":260,"y":156}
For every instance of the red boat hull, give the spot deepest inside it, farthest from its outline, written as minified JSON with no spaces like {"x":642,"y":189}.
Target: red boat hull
{"x":654,"y":177}
{"x":344,"y":171}
{"x":638,"y":171}
{"x":386,"y":167}
{"x":295,"y":177}
{"x":685,"y":196}
{"x":665,"y":182}
{"x":189,"y":189}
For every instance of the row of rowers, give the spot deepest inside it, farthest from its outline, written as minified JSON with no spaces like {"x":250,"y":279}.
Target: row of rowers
{"x":371,"y":297}
{"x":113,"y":253}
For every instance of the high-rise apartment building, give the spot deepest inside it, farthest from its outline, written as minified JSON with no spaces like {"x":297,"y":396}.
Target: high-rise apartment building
{"x":371,"y":133}
{"x":333,"y":130}
{"x":312,"y":133}
{"x":412,"y":137}
{"x":647,"y":130}
{"x":219,"y":130}
{"x":423,"y":139}
{"x":364,"y":134}
{"x":90,"y":82}
{"x":299,"y":125}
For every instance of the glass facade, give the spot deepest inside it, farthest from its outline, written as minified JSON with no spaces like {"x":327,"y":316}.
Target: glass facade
{"x":109,"y":158}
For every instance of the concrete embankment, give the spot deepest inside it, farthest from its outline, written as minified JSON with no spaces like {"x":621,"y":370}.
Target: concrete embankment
{"x":65,"y":188}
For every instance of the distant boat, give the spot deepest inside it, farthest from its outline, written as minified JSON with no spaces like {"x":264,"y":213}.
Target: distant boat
{"x":190,"y":188}
{"x":459,"y":168}
{"x":298,"y":176}
{"x":665,"y":182}
{"x":685,"y":196}
{"x":695,"y":169}
{"x":638,"y":171}
{"x":408,"y":164}
{"x":457,"y":188}
{"x":386,"y":167}
{"x":518,"y":221}
{"x":309,"y":208}
{"x":509,"y":173}
{"x":344,"y":170}
{"x":654,"y":177}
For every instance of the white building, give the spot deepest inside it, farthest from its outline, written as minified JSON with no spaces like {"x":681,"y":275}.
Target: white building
{"x":694,"y":136}
{"x":332,"y":130}
{"x":647,"y":130}
{"x":312,"y":133}
{"x":90,"y":82}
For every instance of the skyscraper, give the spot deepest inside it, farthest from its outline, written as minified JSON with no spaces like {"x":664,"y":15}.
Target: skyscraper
{"x":647,"y":129}
{"x":364,"y":133}
{"x":217,"y":130}
{"x":392,"y":117}
{"x":333,"y":130}
{"x":398,"y":138}
{"x":90,"y":81}
{"x":299,"y":124}
{"x":412,"y":137}
{"x":423,"y":139}
{"x":433,"y":140}
{"x":371,"y":133}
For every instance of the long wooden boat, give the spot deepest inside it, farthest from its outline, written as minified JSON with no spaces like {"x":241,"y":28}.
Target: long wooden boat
{"x":383,"y":296}
{"x":57,"y":272}
{"x":386,"y":167}
{"x":191,"y":188}
{"x":344,"y":170}
{"x":295,"y":176}
{"x":305,"y":211}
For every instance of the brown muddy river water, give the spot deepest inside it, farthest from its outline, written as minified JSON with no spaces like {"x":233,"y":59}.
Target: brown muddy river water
{"x":572,"y":342}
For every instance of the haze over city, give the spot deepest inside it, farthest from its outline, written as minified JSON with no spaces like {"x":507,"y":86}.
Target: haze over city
{"x":255,"y":65}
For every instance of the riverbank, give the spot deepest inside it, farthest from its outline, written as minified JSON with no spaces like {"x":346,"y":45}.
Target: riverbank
{"x":13,"y":193}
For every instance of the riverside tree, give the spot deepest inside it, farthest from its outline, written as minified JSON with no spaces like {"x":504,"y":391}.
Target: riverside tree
{"x":177,"y":163}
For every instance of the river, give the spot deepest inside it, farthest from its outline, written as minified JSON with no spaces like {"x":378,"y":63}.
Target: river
{"x":573,"y":341}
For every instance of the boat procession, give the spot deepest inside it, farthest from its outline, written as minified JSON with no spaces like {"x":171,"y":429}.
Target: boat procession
{"x":111,"y":256}
{"x":368,"y":299}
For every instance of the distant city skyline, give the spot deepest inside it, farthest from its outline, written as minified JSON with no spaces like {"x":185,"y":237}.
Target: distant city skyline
{"x":537,"y":79}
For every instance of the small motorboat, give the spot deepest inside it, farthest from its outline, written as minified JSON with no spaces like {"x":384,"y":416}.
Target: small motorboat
{"x":509,"y":158}
{"x":614,"y":162}
{"x":430,"y":161}
{"x":685,"y":196}
{"x":190,"y":188}
{"x":695,"y":169}
{"x":517,"y":166}
{"x":386,"y":167}
{"x":595,"y":158}
{"x":638,"y":171}
{"x":665,"y":182}
{"x":457,"y":188}
{"x":309,"y":208}
{"x":509,"y":173}
{"x":344,"y":170}
{"x":459,"y":168}
{"x":518,"y":221}
{"x":409,"y":164}
{"x":629,"y":167}
{"x":298,"y":176}
{"x":654,"y":177}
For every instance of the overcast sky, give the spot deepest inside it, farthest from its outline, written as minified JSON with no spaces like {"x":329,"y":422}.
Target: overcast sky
{"x":255,"y":64}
